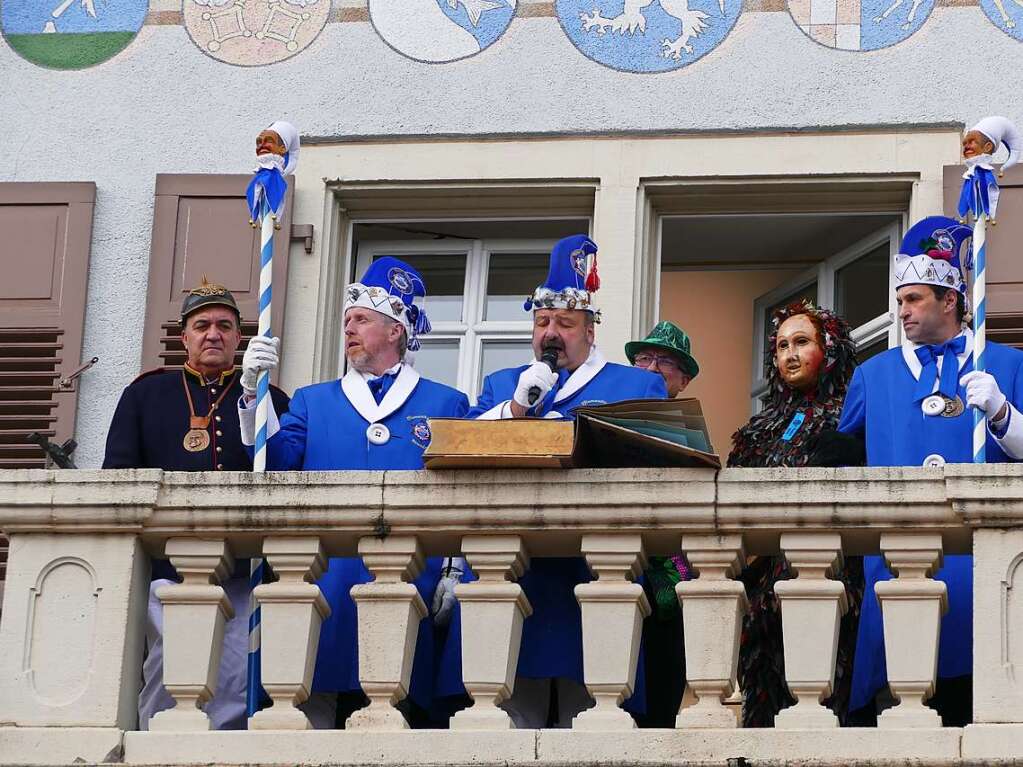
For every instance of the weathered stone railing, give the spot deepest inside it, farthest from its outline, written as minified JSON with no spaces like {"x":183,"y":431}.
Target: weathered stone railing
{"x":74,"y":605}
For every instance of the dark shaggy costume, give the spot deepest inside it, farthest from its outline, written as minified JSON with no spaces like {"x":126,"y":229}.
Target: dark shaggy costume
{"x":762,"y":443}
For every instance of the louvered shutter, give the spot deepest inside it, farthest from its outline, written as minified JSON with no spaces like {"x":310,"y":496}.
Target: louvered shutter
{"x":45,"y":232}
{"x":200,"y":227}
{"x":1004,"y":267}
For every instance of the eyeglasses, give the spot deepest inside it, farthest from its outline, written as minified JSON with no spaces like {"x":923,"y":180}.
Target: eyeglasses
{"x":663,"y":361}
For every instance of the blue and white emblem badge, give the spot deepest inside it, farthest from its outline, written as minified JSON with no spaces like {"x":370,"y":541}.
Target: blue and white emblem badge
{"x":859,"y":25}
{"x":1007,"y":15}
{"x":70,"y":34}
{"x":439,"y":31}
{"x":647,"y":35}
{"x":419,"y":426}
{"x":254,"y":32}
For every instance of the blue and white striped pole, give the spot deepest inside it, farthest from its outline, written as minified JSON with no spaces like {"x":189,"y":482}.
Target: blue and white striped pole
{"x":979,"y":325}
{"x":254,"y":687}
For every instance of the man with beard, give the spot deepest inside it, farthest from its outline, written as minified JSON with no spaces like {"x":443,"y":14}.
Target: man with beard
{"x":374,"y":417}
{"x":568,"y":371}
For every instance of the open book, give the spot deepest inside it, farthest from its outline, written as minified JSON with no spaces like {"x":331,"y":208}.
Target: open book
{"x":633,"y":433}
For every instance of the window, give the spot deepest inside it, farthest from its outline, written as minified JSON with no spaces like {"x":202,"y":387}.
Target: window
{"x":855,"y":283}
{"x":476,"y":286}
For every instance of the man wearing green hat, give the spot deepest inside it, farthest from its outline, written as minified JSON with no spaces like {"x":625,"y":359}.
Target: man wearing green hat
{"x":667,"y":349}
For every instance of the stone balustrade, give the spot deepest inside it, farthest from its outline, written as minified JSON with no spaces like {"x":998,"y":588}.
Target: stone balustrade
{"x":81,"y":542}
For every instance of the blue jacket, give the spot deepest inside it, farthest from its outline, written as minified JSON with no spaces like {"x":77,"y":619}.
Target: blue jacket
{"x":880,"y":407}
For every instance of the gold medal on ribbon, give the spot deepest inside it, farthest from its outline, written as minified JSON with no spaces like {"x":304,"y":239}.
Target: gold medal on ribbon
{"x":197,"y":438}
{"x":954,"y":407}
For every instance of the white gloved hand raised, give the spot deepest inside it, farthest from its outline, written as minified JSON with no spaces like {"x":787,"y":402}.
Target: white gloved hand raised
{"x":539,"y":375}
{"x":982,"y":392}
{"x":444,"y":595}
{"x":262,"y":353}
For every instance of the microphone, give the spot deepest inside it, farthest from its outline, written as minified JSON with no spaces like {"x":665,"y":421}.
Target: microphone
{"x":550,"y":356}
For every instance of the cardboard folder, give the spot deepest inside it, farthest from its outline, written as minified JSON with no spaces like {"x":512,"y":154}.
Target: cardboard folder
{"x":633,"y":433}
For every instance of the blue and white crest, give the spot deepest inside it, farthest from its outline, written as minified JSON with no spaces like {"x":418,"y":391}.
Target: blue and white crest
{"x":439,"y":31}
{"x":859,"y":25}
{"x":400,"y":280}
{"x":70,"y":34}
{"x":419,"y":427}
{"x":647,"y":35}
{"x":1007,"y":15}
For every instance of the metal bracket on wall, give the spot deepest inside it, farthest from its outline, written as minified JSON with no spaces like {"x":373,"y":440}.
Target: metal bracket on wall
{"x":303,"y":232}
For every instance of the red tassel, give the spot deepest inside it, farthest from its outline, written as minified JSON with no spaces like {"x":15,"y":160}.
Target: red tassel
{"x":592,"y":278}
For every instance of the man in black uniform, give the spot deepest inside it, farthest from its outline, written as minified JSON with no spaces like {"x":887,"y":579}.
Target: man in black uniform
{"x":187,"y":420}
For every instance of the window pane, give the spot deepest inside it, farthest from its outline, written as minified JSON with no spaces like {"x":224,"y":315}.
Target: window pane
{"x":438,"y":360}
{"x":864,"y":353}
{"x":809,"y":293}
{"x":861,"y":288}
{"x":444,"y":275}
{"x":512,"y":277}
{"x":504,"y":354}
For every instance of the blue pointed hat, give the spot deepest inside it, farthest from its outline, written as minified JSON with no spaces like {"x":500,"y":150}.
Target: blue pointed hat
{"x":930,"y":254}
{"x":391,"y":287}
{"x":572,"y":278}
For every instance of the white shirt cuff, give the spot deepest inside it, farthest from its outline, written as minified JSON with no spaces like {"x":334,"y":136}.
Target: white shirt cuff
{"x":247,"y":420}
{"x":498,"y":412}
{"x":1011,"y":441}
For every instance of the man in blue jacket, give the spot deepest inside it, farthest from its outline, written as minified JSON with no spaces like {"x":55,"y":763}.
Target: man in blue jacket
{"x":914,"y":406}
{"x":375,"y":417}
{"x":568,"y":371}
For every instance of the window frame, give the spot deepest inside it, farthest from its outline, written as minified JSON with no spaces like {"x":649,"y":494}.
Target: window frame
{"x":824,"y":274}
{"x":473,"y":331}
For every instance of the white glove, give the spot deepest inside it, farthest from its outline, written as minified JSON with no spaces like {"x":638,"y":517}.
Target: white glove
{"x":444,"y":595}
{"x":539,"y":375}
{"x":262,"y":353}
{"x":982,"y":392}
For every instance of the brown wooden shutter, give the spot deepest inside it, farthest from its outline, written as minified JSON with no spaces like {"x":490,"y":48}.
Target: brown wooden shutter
{"x":201,"y":227}
{"x":1004,"y":265}
{"x":45,"y":234}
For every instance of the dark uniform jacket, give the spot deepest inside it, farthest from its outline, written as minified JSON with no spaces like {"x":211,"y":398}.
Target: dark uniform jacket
{"x":152,"y":418}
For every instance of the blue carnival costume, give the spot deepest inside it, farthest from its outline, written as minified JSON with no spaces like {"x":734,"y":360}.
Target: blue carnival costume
{"x":552,"y":638}
{"x":365,"y":422}
{"x":908,"y":403}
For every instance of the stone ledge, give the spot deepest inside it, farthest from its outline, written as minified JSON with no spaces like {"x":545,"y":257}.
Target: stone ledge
{"x":841,"y":746}
{"x":334,"y":747}
{"x":993,"y":741}
{"x":59,"y":745}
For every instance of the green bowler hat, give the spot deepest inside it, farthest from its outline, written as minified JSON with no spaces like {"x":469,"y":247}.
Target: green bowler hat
{"x":670,"y":337}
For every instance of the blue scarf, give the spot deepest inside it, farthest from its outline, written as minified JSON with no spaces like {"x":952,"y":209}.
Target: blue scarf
{"x":979,"y":193}
{"x":379,"y":387}
{"x":268,"y":182}
{"x":928,"y":356}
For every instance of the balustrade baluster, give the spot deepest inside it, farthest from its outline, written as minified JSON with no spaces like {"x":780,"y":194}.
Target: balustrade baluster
{"x":492,"y":611}
{"x":389,"y":610}
{"x":812,"y":607}
{"x":712,"y":608}
{"x":194,"y":613}
{"x":612,"y":616}
{"x":293,"y":610}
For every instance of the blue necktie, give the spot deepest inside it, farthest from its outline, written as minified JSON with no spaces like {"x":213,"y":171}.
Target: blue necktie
{"x":379,"y":386}
{"x":548,"y":403}
{"x":928,"y":356}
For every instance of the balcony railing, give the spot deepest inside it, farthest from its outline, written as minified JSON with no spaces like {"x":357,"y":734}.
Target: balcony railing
{"x":78,"y":574}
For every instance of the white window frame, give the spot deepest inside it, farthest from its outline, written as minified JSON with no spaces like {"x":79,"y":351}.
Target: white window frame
{"x":473,"y":331}
{"x":883,"y":326}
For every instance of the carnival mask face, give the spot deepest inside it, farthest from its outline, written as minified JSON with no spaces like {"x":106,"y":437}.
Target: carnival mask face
{"x":568,"y":331}
{"x":976,"y":143}
{"x":268,"y":142}
{"x":211,"y":337}
{"x":798,"y":353}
